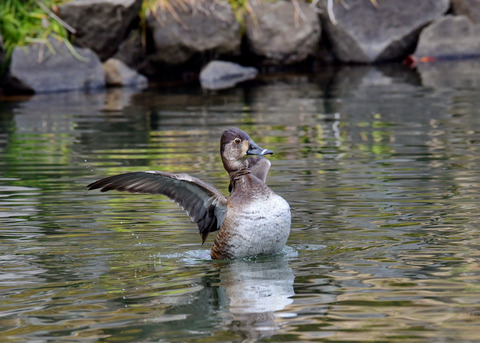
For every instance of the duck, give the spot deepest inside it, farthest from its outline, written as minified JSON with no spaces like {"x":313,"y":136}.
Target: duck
{"x":253,"y":220}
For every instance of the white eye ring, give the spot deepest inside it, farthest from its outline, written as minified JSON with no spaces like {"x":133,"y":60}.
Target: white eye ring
{"x":237,"y":140}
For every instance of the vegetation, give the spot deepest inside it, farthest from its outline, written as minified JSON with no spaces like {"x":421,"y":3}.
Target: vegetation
{"x":27,"y":21}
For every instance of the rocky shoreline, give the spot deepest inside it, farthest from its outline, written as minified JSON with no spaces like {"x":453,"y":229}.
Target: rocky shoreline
{"x":113,"y":46}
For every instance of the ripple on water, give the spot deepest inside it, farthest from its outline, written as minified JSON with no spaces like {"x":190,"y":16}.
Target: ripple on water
{"x":384,"y":195}
{"x":199,"y":256}
{"x":187,"y":257}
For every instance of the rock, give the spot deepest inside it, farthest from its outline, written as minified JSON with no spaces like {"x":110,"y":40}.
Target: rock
{"x":101,"y":25}
{"x":220,"y":75}
{"x":197,"y":27}
{"x":280,"y":33}
{"x":36,"y":69}
{"x":365,"y":33}
{"x":449,"y":35}
{"x":119,"y":74}
{"x":469,"y":8}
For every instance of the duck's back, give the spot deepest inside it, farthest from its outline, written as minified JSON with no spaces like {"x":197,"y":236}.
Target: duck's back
{"x":257,"y":221}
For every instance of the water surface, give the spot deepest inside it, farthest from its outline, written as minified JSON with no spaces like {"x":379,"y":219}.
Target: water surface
{"x":381,"y":167}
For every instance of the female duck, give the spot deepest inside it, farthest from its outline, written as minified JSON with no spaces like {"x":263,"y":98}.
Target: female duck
{"x":252,"y":221}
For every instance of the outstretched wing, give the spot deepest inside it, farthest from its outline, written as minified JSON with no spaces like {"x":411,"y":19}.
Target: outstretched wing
{"x":205,"y":205}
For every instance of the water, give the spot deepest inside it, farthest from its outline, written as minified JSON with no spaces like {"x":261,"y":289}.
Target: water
{"x":381,"y":167}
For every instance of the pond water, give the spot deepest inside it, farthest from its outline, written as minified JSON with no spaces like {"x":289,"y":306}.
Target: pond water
{"x":381,"y":167}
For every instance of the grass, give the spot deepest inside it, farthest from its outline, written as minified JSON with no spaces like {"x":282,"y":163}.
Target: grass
{"x":28,"y":21}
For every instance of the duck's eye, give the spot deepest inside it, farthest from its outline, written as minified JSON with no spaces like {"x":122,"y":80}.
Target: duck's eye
{"x":237,"y":140}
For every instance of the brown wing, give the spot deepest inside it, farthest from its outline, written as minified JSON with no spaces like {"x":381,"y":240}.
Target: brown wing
{"x":205,"y":205}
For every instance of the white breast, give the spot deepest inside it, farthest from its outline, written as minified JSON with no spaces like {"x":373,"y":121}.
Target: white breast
{"x":260,"y":228}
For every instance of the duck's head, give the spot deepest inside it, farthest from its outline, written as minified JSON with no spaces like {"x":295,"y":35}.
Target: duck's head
{"x":235,"y":146}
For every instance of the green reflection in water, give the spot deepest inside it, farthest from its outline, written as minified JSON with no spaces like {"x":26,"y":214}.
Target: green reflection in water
{"x":384,"y":196}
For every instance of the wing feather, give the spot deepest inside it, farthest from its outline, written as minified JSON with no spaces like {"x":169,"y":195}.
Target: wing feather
{"x":205,"y":205}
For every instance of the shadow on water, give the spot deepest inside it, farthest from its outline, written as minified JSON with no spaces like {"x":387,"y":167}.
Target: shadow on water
{"x":379,"y":164}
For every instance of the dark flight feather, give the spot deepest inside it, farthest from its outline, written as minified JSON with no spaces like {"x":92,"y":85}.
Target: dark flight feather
{"x":205,"y":205}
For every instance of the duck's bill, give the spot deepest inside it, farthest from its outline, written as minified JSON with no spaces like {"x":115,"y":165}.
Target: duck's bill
{"x":254,"y":149}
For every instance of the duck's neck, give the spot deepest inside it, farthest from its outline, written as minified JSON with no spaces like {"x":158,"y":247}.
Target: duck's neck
{"x":236,"y":177}
{"x":233,"y":165}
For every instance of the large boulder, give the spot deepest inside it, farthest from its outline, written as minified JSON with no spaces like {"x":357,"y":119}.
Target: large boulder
{"x":203,"y":26}
{"x":221,"y":74}
{"x":281,"y":33}
{"x":367,"y":33}
{"x":469,"y":8}
{"x":450,"y":37}
{"x":37,"y":69}
{"x":100,"y":24}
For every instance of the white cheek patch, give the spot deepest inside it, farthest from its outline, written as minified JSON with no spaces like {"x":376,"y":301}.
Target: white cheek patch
{"x":263,"y":151}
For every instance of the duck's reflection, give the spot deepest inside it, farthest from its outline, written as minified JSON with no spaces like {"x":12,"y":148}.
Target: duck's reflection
{"x":252,"y":291}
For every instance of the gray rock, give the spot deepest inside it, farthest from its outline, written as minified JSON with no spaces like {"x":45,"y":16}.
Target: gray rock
{"x":120,"y":75}
{"x":469,"y":8}
{"x":220,"y":75}
{"x":449,"y":35}
{"x":365,"y":33}
{"x":280,"y":33}
{"x":36,"y":69}
{"x":197,"y":27}
{"x":101,"y":25}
